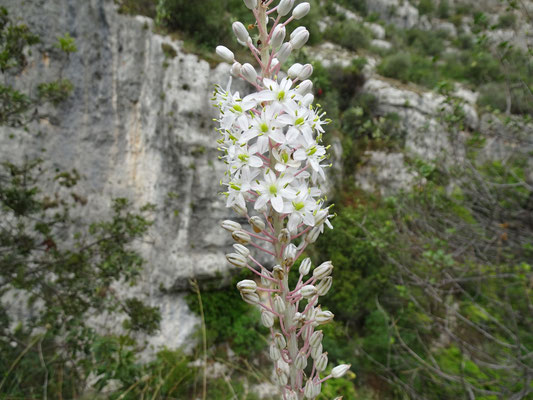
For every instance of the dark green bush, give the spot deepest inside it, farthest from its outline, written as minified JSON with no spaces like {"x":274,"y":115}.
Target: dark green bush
{"x":426,"y":7}
{"x":349,"y":34}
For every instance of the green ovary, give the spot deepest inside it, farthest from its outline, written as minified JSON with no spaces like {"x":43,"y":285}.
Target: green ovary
{"x":264,"y":127}
{"x":298,"y":206}
{"x":273,"y":189}
{"x":281,"y":95}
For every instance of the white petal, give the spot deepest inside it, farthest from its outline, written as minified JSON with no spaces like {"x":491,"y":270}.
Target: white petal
{"x":277,"y":203}
{"x":261,"y":201}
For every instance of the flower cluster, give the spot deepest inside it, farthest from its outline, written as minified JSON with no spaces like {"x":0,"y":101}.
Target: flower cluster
{"x":272,"y":144}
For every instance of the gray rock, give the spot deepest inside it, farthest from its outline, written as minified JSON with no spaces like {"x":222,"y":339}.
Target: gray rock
{"x":381,"y":44}
{"x":397,"y":12}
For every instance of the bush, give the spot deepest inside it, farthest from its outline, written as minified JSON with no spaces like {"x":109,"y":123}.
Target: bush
{"x":426,"y":7}
{"x":349,"y":34}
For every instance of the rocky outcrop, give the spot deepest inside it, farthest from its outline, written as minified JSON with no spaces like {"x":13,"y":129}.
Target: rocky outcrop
{"x":138,"y":125}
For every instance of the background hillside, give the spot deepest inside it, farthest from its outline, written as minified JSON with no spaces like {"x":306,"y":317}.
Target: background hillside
{"x":113,"y":280}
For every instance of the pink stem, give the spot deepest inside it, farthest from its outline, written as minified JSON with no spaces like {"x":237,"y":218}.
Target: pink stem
{"x":289,"y":20}
{"x":254,"y":52}
{"x":268,"y":290}
{"x":273,"y":27}
{"x":257,"y":236}
{"x":257,"y":272}
{"x":268,"y":222}
{"x":325,"y":379}
{"x":302,"y":232}
{"x":262,"y":249}
{"x":302,"y":170}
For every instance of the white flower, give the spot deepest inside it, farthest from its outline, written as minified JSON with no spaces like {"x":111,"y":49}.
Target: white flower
{"x":274,"y":190}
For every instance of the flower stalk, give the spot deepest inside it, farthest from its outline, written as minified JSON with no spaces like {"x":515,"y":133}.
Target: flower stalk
{"x":271,"y":141}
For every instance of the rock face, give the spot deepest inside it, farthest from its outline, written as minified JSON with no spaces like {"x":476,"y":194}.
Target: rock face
{"x":137,"y":126}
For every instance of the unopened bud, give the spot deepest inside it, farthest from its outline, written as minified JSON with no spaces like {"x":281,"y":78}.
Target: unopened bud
{"x":236,"y":70}
{"x":309,"y":389}
{"x":308,"y":291}
{"x":304,"y":87}
{"x":291,"y":395}
{"x":247,"y":286}
{"x":278,"y":272}
{"x":323,"y":270}
{"x":236,"y":259}
{"x":305,"y":266}
{"x":240,"y":31}
{"x":289,"y":255}
{"x":257,"y":224}
{"x":324,"y":285}
{"x":322,"y":362}
{"x":301,"y":360}
{"x":242,"y":250}
{"x":307,"y":100}
{"x":296,"y":31}
{"x":274,"y":352}
{"x":283,"y":378}
{"x":312,"y":235}
{"x":323,"y":317}
{"x":240,"y":210}
{"x":284,"y":52}
{"x":300,"y":39}
{"x":316,"y":338}
{"x":340,"y":370}
{"x":301,"y":10}
{"x":280,"y":341}
{"x":230,"y":225}
{"x":249,"y":73}
{"x":274,"y":63}
{"x":298,"y":318}
{"x":250,"y":298}
{"x":294,"y":70}
{"x":225,"y":53}
{"x":251,"y":4}
{"x":264,"y":281}
{"x":279,"y":304}
{"x":284,"y":236}
{"x":305,"y":72}
{"x":267,"y":318}
{"x":284,"y":7}
{"x":316,"y":351}
{"x":278,"y":36}
{"x":241,"y":237}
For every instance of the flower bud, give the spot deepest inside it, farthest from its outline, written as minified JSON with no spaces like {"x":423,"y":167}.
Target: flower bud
{"x":304,"y":87}
{"x":308,"y":291}
{"x":251,"y":4}
{"x":291,"y":395}
{"x":323,"y":270}
{"x":267,"y":318}
{"x":309,"y":389}
{"x":279,"y":340}
{"x":283,"y":378}
{"x":294,"y":70}
{"x":274,"y":352}
{"x":230,"y":225}
{"x":324,"y":285}
{"x":247,"y":286}
{"x":305,"y":266}
{"x":308,"y":100}
{"x":249,"y":73}
{"x":284,"y":52}
{"x":242,"y":211}
{"x":301,"y":10}
{"x":305,"y":72}
{"x":264,"y":281}
{"x":278,"y":272}
{"x":241,"y":237}
{"x":240,"y":32}
{"x":284,"y":7}
{"x":296,"y":31}
{"x":274,"y":63}
{"x":225,"y":53}
{"x":279,"y":304}
{"x":301,"y":360}
{"x":312,"y":235}
{"x":278,"y":36}
{"x":316,"y":351}
{"x":250,"y":298}
{"x":300,"y":39}
{"x":236,"y":259}
{"x":236,"y":70}
{"x":257,"y":224}
{"x":322,"y":362}
{"x":289,"y":255}
{"x":242,"y":250}
{"x":323,"y":317}
{"x":340,"y":370}
{"x":284,"y":236}
{"x":316,"y":338}
{"x":298,"y":318}
{"x":317,"y":388}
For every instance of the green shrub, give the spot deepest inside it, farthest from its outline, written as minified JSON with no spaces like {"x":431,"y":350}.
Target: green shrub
{"x":426,"y":7}
{"x":443,"y":10}
{"x":507,"y":20}
{"x":349,"y":34}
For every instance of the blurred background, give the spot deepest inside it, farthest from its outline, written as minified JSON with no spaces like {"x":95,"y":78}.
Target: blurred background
{"x":113,"y":280}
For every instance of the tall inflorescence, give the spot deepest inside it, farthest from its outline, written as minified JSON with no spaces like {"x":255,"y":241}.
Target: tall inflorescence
{"x":271,"y":143}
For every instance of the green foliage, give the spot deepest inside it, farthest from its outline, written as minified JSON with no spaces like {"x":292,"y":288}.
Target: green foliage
{"x":67,"y":44}
{"x":426,"y":7}
{"x":13,"y":40}
{"x":349,"y":34}
{"x":229,"y":319}
{"x":55,"y":92}
{"x":137,"y":7}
